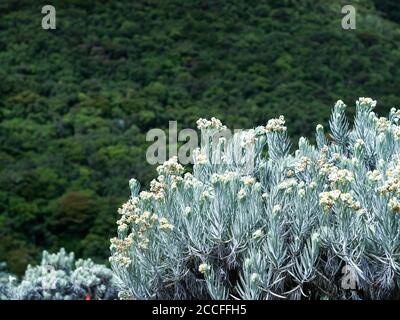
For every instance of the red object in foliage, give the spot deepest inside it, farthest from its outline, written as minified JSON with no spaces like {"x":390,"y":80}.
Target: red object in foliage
{"x":87,"y":297}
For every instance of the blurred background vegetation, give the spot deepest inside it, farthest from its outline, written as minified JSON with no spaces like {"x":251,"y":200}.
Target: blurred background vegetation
{"x":76,"y":102}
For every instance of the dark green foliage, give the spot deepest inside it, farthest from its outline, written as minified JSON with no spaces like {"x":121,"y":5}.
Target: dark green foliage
{"x":389,"y":8}
{"x":76,"y":102}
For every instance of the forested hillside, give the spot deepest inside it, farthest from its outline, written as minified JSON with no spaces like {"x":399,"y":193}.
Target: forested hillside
{"x":76,"y":102}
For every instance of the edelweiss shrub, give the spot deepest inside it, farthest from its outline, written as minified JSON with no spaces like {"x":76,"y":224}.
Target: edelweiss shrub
{"x":321,"y":223}
{"x":5,"y":279}
{"x":60,"y":277}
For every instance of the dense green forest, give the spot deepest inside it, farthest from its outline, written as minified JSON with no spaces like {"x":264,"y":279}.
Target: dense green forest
{"x":76,"y":102}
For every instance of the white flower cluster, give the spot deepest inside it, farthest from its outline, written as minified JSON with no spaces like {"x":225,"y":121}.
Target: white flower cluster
{"x":374,"y":175}
{"x":199,"y":157}
{"x":391,"y":183}
{"x":242,"y":194}
{"x":171,"y":167}
{"x":224,"y":178}
{"x":157,"y":187}
{"x":382,"y":124}
{"x":328,"y":199}
{"x":276,"y":125}
{"x":210,"y":124}
{"x":340,"y":105}
{"x":204,"y":267}
{"x":366,"y":102}
{"x":288,"y":184}
{"x":248,"y":138}
{"x":394,"y":204}
{"x":258,"y":234}
{"x":207,"y":195}
{"x":191,"y":182}
{"x":340,"y":176}
{"x":302,"y":164}
{"x":248,"y":181}
{"x":165,"y":225}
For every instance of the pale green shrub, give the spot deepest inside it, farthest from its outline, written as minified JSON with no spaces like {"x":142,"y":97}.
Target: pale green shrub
{"x":5,"y":279}
{"x":60,"y":277}
{"x":286,"y":230}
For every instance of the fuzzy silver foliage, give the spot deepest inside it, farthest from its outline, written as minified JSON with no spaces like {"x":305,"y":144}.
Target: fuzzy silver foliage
{"x":321,"y":223}
{"x":5,"y":279}
{"x":60,"y":277}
